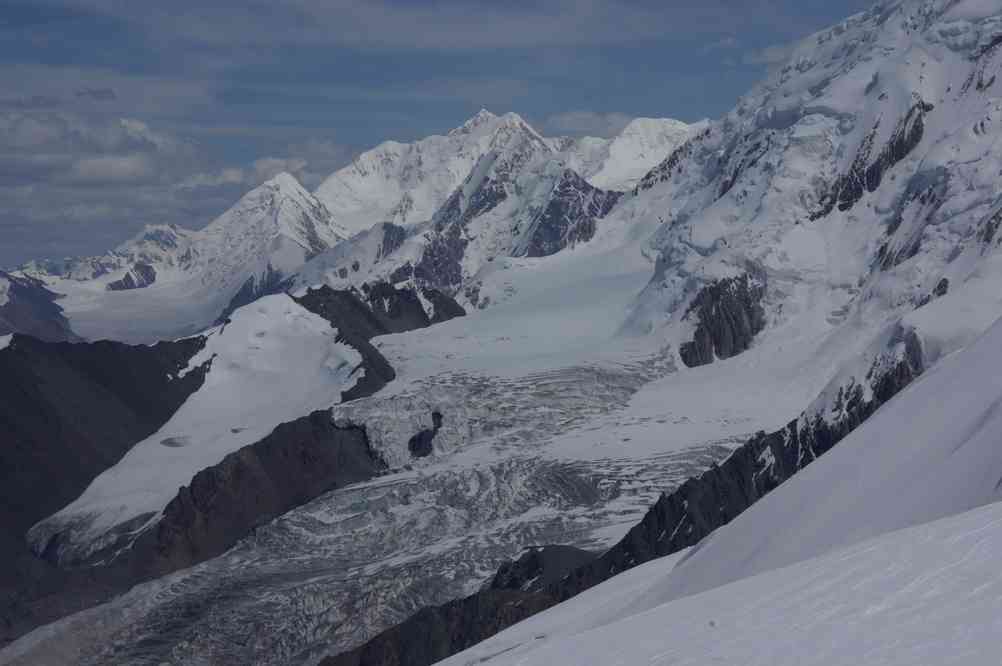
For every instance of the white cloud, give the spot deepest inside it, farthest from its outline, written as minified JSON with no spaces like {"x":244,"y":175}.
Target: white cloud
{"x":444,"y":25}
{"x":220,"y":178}
{"x":111,"y":169}
{"x":722,"y":44}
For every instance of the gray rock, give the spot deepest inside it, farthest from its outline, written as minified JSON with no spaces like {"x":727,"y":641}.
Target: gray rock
{"x":140,"y":276}
{"x":728,"y":315}
{"x":32,"y":309}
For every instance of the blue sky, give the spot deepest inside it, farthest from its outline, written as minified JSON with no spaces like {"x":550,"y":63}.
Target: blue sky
{"x":116,"y":113}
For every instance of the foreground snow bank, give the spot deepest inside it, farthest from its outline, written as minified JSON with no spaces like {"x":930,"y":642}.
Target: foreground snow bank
{"x":926,"y":595}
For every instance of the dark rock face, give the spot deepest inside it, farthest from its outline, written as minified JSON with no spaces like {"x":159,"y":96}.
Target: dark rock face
{"x":296,"y":463}
{"x":141,"y":275}
{"x":272,"y":282}
{"x":942,"y":287}
{"x":671,"y":165}
{"x":538,"y":568}
{"x":70,"y":410}
{"x":398,"y":310}
{"x":352,"y":317}
{"x":393,"y":239}
{"x":31,"y":309}
{"x":67,"y":413}
{"x":678,"y":520}
{"x":401,"y":310}
{"x":356,"y":325}
{"x":865,"y":175}
{"x":747,"y":158}
{"x":421,"y":444}
{"x":729,"y":315}
{"x":434,"y":633}
{"x":440,"y":265}
{"x":569,"y":217}
{"x":445,"y":306}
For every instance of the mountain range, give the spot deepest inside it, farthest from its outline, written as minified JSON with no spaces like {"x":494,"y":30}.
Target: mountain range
{"x":720,"y":391}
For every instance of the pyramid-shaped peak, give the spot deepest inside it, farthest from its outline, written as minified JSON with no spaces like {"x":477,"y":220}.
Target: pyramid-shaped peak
{"x":483,"y":117}
{"x":284,"y":182}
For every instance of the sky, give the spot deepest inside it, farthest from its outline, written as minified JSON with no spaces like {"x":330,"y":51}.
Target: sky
{"x":115,"y":114}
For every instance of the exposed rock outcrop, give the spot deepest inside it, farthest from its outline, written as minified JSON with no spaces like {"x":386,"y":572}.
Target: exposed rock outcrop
{"x":68,"y":411}
{"x":28,"y":307}
{"x":139,"y":276}
{"x":421,"y":444}
{"x":866,"y":174}
{"x":538,"y":568}
{"x":728,"y":314}
{"x":296,"y":463}
{"x":569,"y":217}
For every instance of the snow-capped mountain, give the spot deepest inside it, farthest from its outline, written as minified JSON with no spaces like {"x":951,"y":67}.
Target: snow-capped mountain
{"x":168,"y":281}
{"x":519,"y":199}
{"x":618,"y":163}
{"x":656,"y":370}
{"x":402,"y":184}
{"x":420,"y":190}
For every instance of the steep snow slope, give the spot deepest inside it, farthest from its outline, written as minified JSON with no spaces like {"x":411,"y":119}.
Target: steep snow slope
{"x":866,"y":166}
{"x":620,"y":162}
{"x":931,"y":452}
{"x":926,"y":595}
{"x":272,"y":363}
{"x":406,"y":183}
{"x":170,"y":282}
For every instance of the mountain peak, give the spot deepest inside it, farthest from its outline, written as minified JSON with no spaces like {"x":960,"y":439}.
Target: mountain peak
{"x":482,"y":117}
{"x":284,"y":182}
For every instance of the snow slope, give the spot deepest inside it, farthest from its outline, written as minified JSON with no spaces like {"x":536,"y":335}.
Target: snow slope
{"x":930,"y":594}
{"x":182,"y":281}
{"x":272,"y":363}
{"x":620,"y":162}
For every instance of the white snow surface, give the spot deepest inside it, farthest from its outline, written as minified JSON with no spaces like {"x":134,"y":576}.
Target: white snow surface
{"x":620,"y":162}
{"x":272,"y":363}
{"x":4,"y":291}
{"x":930,"y":594}
{"x":5,"y":341}
{"x":406,"y":183}
{"x":272,"y":230}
